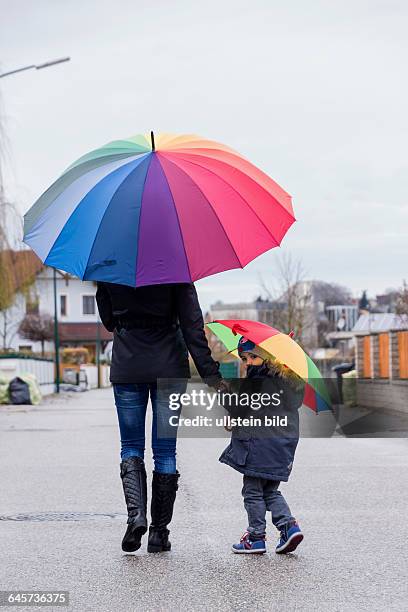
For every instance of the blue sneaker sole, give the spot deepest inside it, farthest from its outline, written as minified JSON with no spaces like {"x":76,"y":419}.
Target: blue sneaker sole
{"x":248,"y":551}
{"x":291,"y":544}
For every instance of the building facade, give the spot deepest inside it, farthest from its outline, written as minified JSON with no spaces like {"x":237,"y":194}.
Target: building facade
{"x":78,"y":320}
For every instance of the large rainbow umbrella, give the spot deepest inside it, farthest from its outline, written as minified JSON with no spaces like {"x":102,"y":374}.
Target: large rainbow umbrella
{"x":147,"y":211}
{"x":282,"y":347}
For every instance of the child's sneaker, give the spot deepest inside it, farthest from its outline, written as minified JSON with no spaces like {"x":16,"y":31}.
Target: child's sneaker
{"x":291,"y":537}
{"x":246,"y":545}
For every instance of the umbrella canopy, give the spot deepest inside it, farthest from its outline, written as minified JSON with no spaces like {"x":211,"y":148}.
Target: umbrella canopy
{"x":283,"y":348}
{"x":158,"y":210}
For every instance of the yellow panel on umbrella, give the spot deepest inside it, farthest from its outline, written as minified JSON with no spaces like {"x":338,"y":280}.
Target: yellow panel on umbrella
{"x":288,"y":352}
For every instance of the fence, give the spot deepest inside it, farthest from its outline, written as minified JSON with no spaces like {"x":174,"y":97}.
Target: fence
{"x":43,"y":369}
{"x":402,"y":339}
{"x":384,"y":355}
{"x":382,"y":369}
{"x":86,"y":375}
{"x":367,"y":357}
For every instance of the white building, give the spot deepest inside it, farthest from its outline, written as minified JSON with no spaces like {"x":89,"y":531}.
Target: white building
{"x":78,"y":320}
{"x":241,"y":310}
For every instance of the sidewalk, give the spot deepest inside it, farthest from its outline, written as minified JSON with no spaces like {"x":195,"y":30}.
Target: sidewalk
{"x":63,"y":517}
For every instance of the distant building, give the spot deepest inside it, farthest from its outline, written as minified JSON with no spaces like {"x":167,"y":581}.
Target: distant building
{"x":386,"y":302}
{"x":77,"y":311}
{"x":259,"y":310}
{"x":321,"y":324}
{"x":341,"y":321}
{"x":343,"y":317}
{"x":240,"y":310}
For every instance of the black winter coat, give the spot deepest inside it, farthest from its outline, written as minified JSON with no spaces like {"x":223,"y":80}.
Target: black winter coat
{"x":266,"y":452}
{"x":154,"y":328}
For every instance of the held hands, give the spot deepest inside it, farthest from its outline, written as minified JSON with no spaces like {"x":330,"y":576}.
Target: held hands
{"x":222,"y":386}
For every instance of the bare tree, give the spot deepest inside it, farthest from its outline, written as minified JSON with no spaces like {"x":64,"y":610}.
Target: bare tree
{"x":9,"y":322}
{"x":38,"y":328}
{"x":11,"y":222}
{"x":289,"y":300}
{"x":331,"y":293}
{"x":10,"y":232}
{"x":402,"y":300}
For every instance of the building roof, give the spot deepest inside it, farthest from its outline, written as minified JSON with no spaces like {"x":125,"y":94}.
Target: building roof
{"x":237,"y":306}
{"x":335,"y":307}
{"x":340,"y":335}
{"x":82,"y":332}
{"x":374,"y":323}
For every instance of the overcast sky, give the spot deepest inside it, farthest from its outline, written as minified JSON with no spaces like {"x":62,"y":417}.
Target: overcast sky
{"x":314,"y":93}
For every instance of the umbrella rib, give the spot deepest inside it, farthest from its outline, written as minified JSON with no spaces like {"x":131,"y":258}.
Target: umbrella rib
{"x":104,"y":151}
{"x":209,"y":203}
{"x":178,"y":220}
{"x":190,"y":145}
{"x":106,"y":210}
{"x":140,"y":216}
{"x":224,"y":163}
{"x":69,"y":217}
{"x":242,"y":197}
{"x":72,"y":174}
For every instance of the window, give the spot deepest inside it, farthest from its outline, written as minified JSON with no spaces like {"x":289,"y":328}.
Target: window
{"x":63,"y":305}
{"x":88,"y":304}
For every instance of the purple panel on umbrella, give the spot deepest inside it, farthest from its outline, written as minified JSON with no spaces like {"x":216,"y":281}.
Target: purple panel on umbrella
{"x":161,"y":256}
{"x":207,"y":245}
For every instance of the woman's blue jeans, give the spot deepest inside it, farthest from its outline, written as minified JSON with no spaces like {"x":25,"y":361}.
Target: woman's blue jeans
{"x":131,"y":403}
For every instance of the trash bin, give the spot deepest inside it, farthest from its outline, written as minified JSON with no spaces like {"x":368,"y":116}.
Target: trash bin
{"x":339,"y":370}
{"x":349,"y":389}
{"x":19,"y":392}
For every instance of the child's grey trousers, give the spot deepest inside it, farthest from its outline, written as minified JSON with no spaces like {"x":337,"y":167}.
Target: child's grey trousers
{"x":262,"y":495}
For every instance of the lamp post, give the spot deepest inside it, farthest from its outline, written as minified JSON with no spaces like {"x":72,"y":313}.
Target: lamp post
{"x":98,"y":348}
{"x":36,"y":66}
{"x":56,"y":335}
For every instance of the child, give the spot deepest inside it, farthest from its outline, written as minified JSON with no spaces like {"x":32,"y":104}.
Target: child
{"x":263,"y":456}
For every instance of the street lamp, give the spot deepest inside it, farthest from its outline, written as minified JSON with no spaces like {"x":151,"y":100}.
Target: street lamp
{"x":36,"y":66}
{"x":56,"y":335}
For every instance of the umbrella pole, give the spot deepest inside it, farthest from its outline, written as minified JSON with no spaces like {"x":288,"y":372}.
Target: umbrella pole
{"x":152,"y":139}
{"x":56,"y":335}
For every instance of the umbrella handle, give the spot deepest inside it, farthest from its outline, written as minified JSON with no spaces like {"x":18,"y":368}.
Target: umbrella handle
{"x":238,"y":329}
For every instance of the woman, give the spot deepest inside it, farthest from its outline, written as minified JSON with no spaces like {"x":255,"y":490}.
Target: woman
{"x":153,"y":328}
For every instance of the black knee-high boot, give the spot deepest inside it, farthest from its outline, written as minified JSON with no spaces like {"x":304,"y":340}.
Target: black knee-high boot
{"x":164,"y":487}
{"x":133,"y":474}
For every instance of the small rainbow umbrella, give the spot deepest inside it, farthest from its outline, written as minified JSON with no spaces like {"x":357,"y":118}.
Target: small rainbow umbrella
{"x":282,"y":347}
{"x":145,"y":211}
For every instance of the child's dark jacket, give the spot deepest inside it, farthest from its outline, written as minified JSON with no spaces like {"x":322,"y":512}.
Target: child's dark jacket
{"x":266,"y":452}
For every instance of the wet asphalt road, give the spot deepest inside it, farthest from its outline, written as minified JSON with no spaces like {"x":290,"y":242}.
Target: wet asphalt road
{"x":64,"y":516}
